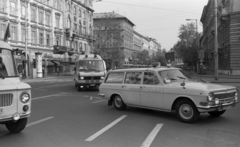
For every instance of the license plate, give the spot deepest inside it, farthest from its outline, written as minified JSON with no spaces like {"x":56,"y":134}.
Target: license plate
{"x":1,"y":110}
{"x":92,"y":84}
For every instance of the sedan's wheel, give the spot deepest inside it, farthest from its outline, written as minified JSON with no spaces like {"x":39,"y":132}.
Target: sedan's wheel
{"x":217,"y":113}
{"x":18,"y":126}
{"x":118,"y":103}
{"x":186,"y":111}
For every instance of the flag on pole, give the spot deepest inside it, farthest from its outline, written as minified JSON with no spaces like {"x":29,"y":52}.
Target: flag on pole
{"x":7,"y":34}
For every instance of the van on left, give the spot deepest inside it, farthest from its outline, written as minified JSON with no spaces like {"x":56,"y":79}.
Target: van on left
{"x":15,"y":96}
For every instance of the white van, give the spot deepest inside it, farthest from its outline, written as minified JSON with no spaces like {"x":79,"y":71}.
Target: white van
{"x":15,"y":96}
{"x":90,"y":71}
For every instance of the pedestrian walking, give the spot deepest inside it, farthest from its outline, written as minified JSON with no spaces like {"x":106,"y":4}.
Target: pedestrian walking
{"x":43,"y":71}
{"x":57,"y":71}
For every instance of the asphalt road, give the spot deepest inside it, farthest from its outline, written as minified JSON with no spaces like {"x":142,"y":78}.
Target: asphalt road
{"x":63,"y":117}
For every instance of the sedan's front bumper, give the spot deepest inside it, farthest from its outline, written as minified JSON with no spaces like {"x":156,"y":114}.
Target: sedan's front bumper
{"x":217,"y":107}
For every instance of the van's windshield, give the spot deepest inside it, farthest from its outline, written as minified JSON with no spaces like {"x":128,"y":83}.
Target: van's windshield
{"x":91,"y":65}
{"x":7,"y":64}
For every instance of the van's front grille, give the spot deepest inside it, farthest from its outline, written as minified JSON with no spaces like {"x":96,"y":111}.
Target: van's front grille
{"x":6,"y":100}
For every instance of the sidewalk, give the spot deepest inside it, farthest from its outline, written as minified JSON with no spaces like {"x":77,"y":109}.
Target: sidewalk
{"x":222,"y":78}
{"x":51,"y":77}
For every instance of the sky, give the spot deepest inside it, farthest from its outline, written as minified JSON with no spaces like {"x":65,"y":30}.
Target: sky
{"x":159,"y":19}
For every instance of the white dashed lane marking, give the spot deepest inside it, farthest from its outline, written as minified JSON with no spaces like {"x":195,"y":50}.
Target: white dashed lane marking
{"x":99,"y":101}
{"x":91,"y":138}
{"x":39,"y":121}
{"x":148,"y":141}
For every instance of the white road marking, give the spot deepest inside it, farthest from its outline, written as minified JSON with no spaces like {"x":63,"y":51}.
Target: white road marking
{"x":39,"y":121}
{"x":99,"y":101}
{"x":151,"y":136}
{"x":41,"y":97}
{"x":91,"y":138}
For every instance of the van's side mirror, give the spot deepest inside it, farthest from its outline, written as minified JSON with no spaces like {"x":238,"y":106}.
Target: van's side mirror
{"x":167,"y":81}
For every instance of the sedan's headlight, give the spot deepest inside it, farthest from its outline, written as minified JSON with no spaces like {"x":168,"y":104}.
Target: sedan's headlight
{"x":236,"y":96}
{"x":210,"y":97}
{"x":25,"y":97}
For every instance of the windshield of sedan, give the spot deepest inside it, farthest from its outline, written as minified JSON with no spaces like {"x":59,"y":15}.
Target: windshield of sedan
{"x":91,"y":65}
{"x":173,"y":75}
{"x":7,"y":64}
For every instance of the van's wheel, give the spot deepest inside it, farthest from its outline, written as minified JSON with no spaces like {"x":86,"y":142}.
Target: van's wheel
{"x":118,"y":103}
{"x":217,"y":113}
{"x":76,"y":84}
{"x":186,"y":111}
{"x":16,"y":127}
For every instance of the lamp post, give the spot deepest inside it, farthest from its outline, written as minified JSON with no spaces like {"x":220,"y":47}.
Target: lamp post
{"x":26,"y":38}
{"x":216,"y":40}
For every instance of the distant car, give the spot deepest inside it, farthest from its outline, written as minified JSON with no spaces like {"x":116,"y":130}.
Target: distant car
{"x":166,"y":89}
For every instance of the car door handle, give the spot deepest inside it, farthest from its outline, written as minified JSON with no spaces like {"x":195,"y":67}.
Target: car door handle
{"x":123,"y":86}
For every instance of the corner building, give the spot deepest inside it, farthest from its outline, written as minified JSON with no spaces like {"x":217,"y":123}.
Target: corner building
{"x":228,"y":36}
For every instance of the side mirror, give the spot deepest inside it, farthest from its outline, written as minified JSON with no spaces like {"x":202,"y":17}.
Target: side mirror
{"x":167,"y":81}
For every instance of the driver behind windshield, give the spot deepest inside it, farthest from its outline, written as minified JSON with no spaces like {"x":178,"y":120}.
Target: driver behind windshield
{"x":2,"y":67}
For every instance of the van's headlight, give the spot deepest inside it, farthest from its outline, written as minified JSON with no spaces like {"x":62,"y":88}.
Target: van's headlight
{"x":102,"y":78}
{"x":210,"y":97}
{"x":25,"y":97}
{"x":81,"y":78}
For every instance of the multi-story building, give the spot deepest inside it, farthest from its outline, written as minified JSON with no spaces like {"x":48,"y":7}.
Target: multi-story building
{"x":228,"y":35}
{"x":54,"y":28}
{"x":114,"y":31}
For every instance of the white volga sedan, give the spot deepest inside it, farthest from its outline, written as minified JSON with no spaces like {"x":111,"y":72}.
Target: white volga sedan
{"x":166,"y":89}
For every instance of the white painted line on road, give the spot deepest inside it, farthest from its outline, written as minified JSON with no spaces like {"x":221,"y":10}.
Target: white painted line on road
{"x":91,"y":138}
{"x":41,"y":97}
{"x":99,"y":101}
{"x":39,"y":121}
{"x":148,"y":141}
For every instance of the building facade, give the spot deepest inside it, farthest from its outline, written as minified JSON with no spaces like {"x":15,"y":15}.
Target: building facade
{"x":228,"y":36}
{"x":114,"y":34}
{"x":47,"y":26}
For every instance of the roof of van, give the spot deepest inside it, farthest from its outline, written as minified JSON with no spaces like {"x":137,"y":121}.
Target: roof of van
{"x":5,"y":45}
{"x":143,"y":69}
{"x":90,"y":56}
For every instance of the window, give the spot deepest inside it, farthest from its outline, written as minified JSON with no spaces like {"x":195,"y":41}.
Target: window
{"x":13,"y":31}
{"x":23,"y":34}
{"x":13,"y":7}
{"x":68,"y":23}
{"x":23,"y":10}
{"x":133,"y":78}
{"x":41,"y":38}
{"x":75,"y":26}
{"x":58,"y":40}
{"x":2,"y":29}
{"x":40,"y":16}
{"x":47,"y":39}
{"x":33,"y":14}
{"x":3,"y":5}
{"x":48,"y":19}
{"x":80,"y":13}
{"x":150,"y":78}
{"x":85,"y":47}
{"x":80,"y":46}
{"x":34,"y":36}
{"x":115,"y":77}
{"x":80,"y":27}
{"x":75,"y":10}
{"x":57,"y":20}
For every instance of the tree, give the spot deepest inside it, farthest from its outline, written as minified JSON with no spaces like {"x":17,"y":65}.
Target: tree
{"x":144,"y":57}
{"x":187,"y":46}
{"x":109,"y":40}
{"x":159,"y":57}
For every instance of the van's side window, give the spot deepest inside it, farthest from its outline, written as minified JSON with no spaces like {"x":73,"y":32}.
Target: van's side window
{"x":115,"y":77}
{"x":133,"y":78}
{"x":150,"y":78}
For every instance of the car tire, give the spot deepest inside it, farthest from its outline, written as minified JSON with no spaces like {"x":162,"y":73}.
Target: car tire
{"x":186,"y":111}
{"x":16,"y":127}
{"x":217,"y":113}
{"x":118,"y":103}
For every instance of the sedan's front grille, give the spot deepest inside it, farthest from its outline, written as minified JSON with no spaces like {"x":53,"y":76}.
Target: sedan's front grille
{"x":6,"y":100}
{"x":224,"y":95}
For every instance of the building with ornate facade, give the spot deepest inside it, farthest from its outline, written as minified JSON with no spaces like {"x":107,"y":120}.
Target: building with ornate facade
{"x":57,"y":29}
{"x":228,"y":36}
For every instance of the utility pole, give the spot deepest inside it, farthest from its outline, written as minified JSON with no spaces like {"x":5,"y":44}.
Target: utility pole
{"x":26,"y":69}
{"x":216,"y":41}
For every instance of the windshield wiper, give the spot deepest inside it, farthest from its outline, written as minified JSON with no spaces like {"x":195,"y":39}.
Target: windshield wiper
{"x":2,"y":76}
{"x":181,"y":77}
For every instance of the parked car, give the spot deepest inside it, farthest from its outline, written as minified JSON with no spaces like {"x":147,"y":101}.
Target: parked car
{"x":166,"y":89}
